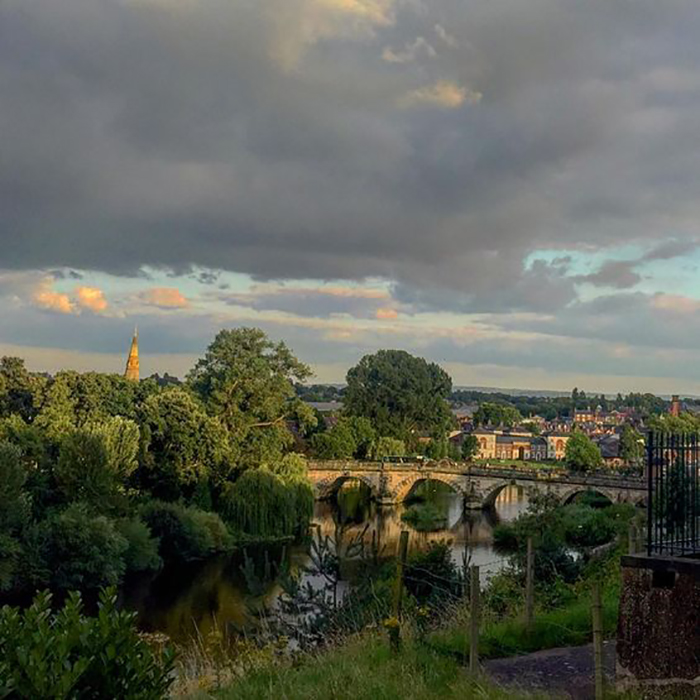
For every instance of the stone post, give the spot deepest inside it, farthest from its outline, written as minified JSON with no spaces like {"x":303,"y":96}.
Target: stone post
{"x":658,"y":636}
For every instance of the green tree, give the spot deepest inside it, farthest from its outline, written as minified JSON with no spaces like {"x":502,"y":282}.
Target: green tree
{"x":15,"y":512}
{"x":631,"y":446}
{"x":581,"y":453}
{"x":470,"y":447}
{"x":388,"y":447}
{"x":82,"y":551}
{"x":82,"y":472}
{"x":497,"y":415}
{"x":336,"y":443}
{"x":400,"y":394}
{"x":246,"y":381}
{"x":121,"y":437}
{"x":20,"y":391}
{"x":181,"y":445}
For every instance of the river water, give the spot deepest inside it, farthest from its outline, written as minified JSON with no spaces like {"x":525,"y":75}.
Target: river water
{"x":184,"y":601}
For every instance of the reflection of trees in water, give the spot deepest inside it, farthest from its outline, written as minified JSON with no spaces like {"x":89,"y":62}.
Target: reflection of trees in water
{"x":350,"y":516}
{"x":179,"y":601}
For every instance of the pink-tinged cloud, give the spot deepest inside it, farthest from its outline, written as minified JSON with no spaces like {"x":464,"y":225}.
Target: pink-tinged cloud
{"x":676,"y":303}
{"x":91,"y":298}
{"x":387,"y":314}
{"x":46,"y":298}
{"x":164,"y":298}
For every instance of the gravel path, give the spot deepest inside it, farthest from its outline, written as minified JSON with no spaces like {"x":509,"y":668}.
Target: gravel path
{"x":565,"y":672}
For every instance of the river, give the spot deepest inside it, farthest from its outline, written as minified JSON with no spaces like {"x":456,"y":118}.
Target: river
{"x":187,"y":600}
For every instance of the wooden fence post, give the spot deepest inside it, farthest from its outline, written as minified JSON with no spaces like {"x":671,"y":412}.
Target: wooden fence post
{"x":474,"y":615}
{"x":597,"y":620}
{"x":530,"y":586}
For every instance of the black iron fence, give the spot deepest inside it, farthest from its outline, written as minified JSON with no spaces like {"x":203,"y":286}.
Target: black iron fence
{"x":673,"y":477}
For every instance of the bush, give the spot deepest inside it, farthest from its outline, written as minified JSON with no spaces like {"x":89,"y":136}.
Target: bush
{"x":186,"y":534}
{"x":425,"y":517}
{"x":67,"y":655}
{"x":82,"y":551}
{"x":431,"y":575}
{"x":142,"y":551}
{"x":587,"y":527}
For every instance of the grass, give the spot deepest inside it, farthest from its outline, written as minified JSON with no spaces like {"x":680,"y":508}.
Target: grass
{"x":365,"y":669}
{"x":566,"y":626}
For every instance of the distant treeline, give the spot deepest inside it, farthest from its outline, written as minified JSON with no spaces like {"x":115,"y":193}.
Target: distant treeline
{"x":563,"y":406}
{"x":549,"y":407}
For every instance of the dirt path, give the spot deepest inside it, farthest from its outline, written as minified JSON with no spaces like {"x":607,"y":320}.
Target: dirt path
{"x":566,"y":672}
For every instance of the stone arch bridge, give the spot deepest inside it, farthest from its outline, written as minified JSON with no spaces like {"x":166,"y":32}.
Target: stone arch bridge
{"x":479,"y":486}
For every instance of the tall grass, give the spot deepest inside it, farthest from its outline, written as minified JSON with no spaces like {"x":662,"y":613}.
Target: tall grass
{"x":566,"y":626}
{"x":365,"y":669}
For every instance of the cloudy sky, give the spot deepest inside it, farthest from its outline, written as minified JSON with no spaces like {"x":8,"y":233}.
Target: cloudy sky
{"x":508,"y":187}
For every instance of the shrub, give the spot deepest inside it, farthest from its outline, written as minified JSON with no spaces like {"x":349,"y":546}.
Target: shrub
{"x":82,"y":551}
{"x":67,"y":655}
{"x":186,"y":534}
{"x":425,"y":517}
{"x":587,"y":527}
{"x":431,"y":575}
{"x":142,"y":550}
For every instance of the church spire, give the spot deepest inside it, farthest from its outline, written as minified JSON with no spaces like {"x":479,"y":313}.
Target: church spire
{"x":132,"y":364}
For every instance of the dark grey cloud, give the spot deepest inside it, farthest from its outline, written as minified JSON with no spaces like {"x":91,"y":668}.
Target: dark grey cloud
{"x":270,"y":139}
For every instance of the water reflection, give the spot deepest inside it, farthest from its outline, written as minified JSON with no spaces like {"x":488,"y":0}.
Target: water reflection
{"x":188,"y":600}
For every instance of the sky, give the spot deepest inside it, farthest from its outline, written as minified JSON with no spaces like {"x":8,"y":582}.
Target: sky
{"x":508,"y":188}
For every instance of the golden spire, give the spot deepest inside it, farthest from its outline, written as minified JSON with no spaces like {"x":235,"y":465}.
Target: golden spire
{"x":132,"y":364}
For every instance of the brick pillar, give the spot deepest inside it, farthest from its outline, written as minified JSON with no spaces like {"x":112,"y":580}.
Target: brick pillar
{"x":658,"y":635}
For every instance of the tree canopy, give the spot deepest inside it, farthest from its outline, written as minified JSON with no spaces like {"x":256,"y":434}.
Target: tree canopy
{"x":581,"y":453}
{"x":246,"y":381}
{"x":400,"y":394}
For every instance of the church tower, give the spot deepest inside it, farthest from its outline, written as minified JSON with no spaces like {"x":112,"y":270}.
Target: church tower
{"x":132,"y":364}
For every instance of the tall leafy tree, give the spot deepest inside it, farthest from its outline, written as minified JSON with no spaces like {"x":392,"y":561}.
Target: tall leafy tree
{"x":582,"y":454}
{"x":631,"y":445}
{"x":181,"y":445}
{"x":20,"y":391}
{"x":246,"y":381}
{"x":497,"y":415}
{"x":402,"y":395}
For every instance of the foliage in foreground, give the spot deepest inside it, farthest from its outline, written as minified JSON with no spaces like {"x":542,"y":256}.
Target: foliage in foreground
{"x":64,"y":654}
{"x":365,"y":669}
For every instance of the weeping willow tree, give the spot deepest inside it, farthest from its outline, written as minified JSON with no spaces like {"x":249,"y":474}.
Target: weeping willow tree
{"x":272,"y":501}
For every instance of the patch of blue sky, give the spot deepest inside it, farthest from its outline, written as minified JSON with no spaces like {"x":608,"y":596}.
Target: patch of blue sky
{"x":677,"y":275}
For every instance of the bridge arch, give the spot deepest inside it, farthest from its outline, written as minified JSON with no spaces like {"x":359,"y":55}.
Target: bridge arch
{"x":568,"y":496}
{"x":403,"y":489}
{"x":493,"y":492}
{"x":328,"y":488}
